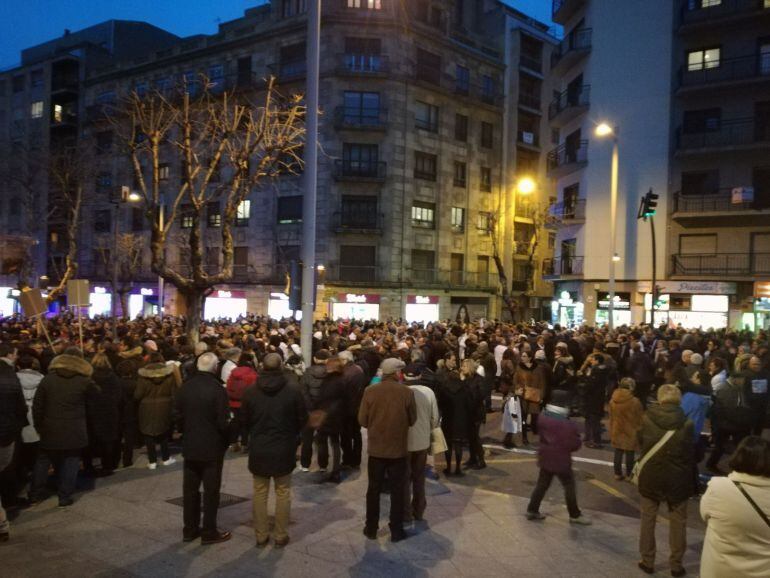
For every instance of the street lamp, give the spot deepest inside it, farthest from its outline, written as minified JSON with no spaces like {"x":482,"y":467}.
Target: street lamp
{"x":526,"y":186}
{"x":126,"y":196}
{"x":605,"y":130}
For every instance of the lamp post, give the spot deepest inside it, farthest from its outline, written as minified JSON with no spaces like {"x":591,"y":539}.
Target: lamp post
{"x":605,"y":130}
{"x":126,"y":196}
{"x":161,"y":286}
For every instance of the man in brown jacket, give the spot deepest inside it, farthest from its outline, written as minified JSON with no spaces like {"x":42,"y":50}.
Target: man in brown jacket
{"x":387,"y":411}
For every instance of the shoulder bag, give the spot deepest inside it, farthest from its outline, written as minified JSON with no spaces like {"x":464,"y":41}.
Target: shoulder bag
{"x":634,"y":479}
{"x":753,"y":503}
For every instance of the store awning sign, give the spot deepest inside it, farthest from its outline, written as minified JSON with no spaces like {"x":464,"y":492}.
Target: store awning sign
{"x":422,"y":299}
{"x":358,"y":298}
{"x":691,"y":287}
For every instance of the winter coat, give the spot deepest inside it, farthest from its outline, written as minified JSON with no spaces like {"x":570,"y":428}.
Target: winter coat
{"x":155,"y":390}
{"x":13,"y":408}
{"x":757,"y":393}
{"x":103,"y":406}
{"x":595,"y":390}
{"x":668,"y":475}
{"x":59,"y":408}
{"x":29,"y":379}
{"x":731,"y":411}
{"x":559,"y":437}
{"x":130,"y":363}
{"x":201,"y":412}
{"x":564,"y":373}
{"x":456,"y":404}
{"x":427,"y":417}
{"x":356,"y":383}
{"x":737,"y":541}
{"x":241,"y":379}
{"x":640,"y":367}
{"x":334,"y":403}
{"x":312,"y":385}
{"x":625,"y":420}
{"x":530,"y":383}
{"x":696,"y":408}
{"x":274,"y":413}
{"x":387,"y":411}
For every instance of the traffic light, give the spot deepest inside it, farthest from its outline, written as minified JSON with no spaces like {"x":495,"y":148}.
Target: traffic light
{"x":649,"y":204}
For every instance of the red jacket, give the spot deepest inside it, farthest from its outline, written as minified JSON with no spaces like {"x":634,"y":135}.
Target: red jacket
{"x":241,"y":378}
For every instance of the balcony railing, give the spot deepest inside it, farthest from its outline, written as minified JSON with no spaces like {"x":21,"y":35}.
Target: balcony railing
{"x":443,"y":277}
{"x":360,"y":118}
{"x":530,"y":100}
{"x":564,"y":158}
{"x":720,"y":201}
{"x":289,"y":70}
{"x":532,"y":62}
{"x":563,"y":266}
{"x":692,"y":13}
{"x":367,"y":170}
{"x":429,"y":74}
{"x":561,"y":10}
{"x":528,"y":138}
{"x":354,"y":273}
{"x":571,"y":48}
{"x":569,"y":211}
{"x":358,"y":221}
{"x":729,"y":133}
{"x":721,"y":264}
{"x":570,"y":100}
{"x":365,"y":64}
{"x":755,"y":66}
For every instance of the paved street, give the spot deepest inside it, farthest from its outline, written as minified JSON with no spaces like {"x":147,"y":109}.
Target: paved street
{"x":475,"y":527}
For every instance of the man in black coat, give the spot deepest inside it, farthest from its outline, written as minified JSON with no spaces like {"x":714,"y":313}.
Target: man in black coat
{"x":13,"y":416}
{"x":202,"y":412}
{"x":275,"y":413}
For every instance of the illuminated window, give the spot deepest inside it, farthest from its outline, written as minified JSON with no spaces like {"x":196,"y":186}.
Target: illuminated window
{"x":458,"y":219}
{"x":703,"y":59}
{"x":365,"y":4}
{"x":242,"y":213}
{"x":36,"y":109}
{"x":423,"y":215}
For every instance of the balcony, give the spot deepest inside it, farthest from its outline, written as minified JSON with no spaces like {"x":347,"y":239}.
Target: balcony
{"x":569,"y":105}
{"x":571,"y":50}
{"x":722,"y":13}
{"x":289,"y":71}
{"x":565,"y":159}
{"x":530,"y":101}
{"x":563,"y":10}
{"x":732,"y":71}
{"x":717,"y":209}
{"x":64,"y":85}
{"x":568,"y":213}
{"x":366,"y":171}
{"x":484,"y":281}
{"x":721,"y":265}
{"x":561,"y":267}
{"x":358,"y":222}
{"x":737,"y":134}
{"x":360,"y":118}
{"x":531,"y":63}
{"x":355,"y":274}
{"x":369,"y":65}
{"x":528,"y":139}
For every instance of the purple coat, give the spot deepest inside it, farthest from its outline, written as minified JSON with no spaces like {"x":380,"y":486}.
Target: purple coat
{"x":559,"y":437}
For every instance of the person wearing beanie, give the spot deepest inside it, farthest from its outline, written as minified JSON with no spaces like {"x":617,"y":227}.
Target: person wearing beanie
{"x":559,"y":438}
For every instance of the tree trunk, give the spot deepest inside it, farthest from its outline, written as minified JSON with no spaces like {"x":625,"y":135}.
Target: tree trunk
{"x":194,"y":301}
{"x":123,"y":297}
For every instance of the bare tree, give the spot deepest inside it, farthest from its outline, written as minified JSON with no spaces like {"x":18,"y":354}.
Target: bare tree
{"x":226,"y":145}
{"x":127,"y":255}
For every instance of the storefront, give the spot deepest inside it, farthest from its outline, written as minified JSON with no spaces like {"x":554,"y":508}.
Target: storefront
{"x":691,"y":304}
{"x":422,"y":309}
{"x":761,"y":305}
{"x":362,"y":306}
{"x":8,"y":304}
{"x":621,"y":308}
{"x":567,"y":310}
{"x":278,"y":307}
{"x":142,"y":301}
{"x":99,"y":302}
{"x":225,"y":305}
{"x":471,"y":308}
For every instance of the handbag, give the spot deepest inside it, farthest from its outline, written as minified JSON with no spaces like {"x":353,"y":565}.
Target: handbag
{"x":437,"y":441}
{"x":532,"y":394}
{"x":636,"y":472}
{"x":753,"y":503}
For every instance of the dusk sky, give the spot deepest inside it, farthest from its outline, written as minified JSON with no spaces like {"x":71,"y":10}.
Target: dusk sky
{"x":29,"y":22}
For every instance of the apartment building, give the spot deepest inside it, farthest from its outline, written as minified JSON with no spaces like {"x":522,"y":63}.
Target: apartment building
{"x":611,"y":67}
{"x":419,"y":150}
{"x":719,"y":230}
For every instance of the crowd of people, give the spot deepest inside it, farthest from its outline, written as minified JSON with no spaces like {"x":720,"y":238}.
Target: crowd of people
{"x":423,"y":394}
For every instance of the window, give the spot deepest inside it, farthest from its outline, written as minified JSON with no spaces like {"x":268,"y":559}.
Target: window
{"x":191,"y":84}
{"x":293,"y":61}
{"x":244,"y":71}
{"x":488,"y":89}
{"x":358,"y":263}
{"x":36,"y":79}
{"x":163,"y":172}
{"x":699,"y":121}
{"x":103,"y":142}
{"x":242,"y":213}
{"x":213,"y":216}
{"x":551,"y":240}
{"x":365,"y":4}
{"x":423,"y":265}
{"x":700,"y":182}
{"x":187,"y":213}
{"x":141,"y":89}
{"x":217,"y":78}
{"x":359,"y":212}
{"x":458,"y":219}
{"x":289,"y":209}
{"x":697,"y":244}
{"x":102,"y":221}
{"x":486,"y":180}
{"x":462,"y":80}
{"x":428,"y":67}
{"x":360,"y":160}
{"x":461,"y":127}
{"x":426,"y":116}
{"x":240,"y":261}
{"x":460,"y":178}
{"x":697,"y":4}
{"x":106,"y":97}
{"x":361,"y":108}
{"x":487,"y":135}
{"x":484,"y":222}
{"x":424,"y":166}
{"x":292,"y":7}
{"x":183,"y":171}
{"x":482,"y":267}
{"x":423,"y":215}
{"x":36,"y":109}
{"x":211,"y":259}
{"x":363,"y":54}
{"x":18,"y":83}
{"x":703,"y":59}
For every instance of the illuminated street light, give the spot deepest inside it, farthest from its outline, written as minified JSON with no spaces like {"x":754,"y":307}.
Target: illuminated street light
{"x":604,"y":129}
{"x":134,"y":197}
{"x":526,"y":186}
{"x":616,"y":257}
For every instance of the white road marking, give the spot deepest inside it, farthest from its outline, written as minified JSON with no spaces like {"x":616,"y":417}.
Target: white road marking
{"x":532,"y":452}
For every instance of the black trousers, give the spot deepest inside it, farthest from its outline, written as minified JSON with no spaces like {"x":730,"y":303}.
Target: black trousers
{"x":210,"y":475}
{"x":475,"y":448}
{"x":544,"y":482}
{"x":152,"y":454}
{"x":306,"y":452}
{"x":129,"y":436}
{"x":721,"y":438}
{"x":395,"y":470}
{"x":630,"y":456}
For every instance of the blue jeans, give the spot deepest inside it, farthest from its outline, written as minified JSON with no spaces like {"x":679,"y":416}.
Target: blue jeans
{"x":66,"y":463}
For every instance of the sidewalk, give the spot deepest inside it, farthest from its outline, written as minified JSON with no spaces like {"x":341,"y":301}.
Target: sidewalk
{"x":126,"y":527}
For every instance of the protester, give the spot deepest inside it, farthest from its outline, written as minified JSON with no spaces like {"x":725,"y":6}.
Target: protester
{"x":334,"y":403}
{"x":457,"y":406}
{"x":13,"y":418}
{"x":274,"y":414}
{"x":312,"y":387}
{"x":155,"y":390}
{"x":594,"y":393}
{"x":30,"y":378}
{"x":203,"y":416}
{"x":240,"y":379}
{"x":103,"y":406}
{"x":626,"y":412}
{"x":530,"y":384}
{"x":388,"y":410}
{"x":732,"y":418}
{"x":735,"y":510}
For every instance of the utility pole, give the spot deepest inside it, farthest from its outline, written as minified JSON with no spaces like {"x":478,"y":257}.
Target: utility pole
{"x":311,"y":172}
{"x":647,"y":209}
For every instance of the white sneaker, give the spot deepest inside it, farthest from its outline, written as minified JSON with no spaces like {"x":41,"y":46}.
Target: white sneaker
{"x":152,"y":466}
{"x":305,"y":469}
{"x":169,"y":462}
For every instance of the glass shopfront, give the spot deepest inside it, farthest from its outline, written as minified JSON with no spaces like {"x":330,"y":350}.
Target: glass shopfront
{"x":422,"y":309}
{"x":356,"y":306}
{"x":225,"y":305}
{"x":621,"y":308}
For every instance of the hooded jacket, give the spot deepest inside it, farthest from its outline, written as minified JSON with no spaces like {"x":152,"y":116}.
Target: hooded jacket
{"x":456,"y":404}
{"x":155,"y":390}
{"x":559,"y":437}
{"x":201,"y":412}
{"x":667,"y":476}
{"x":13,"y":409}
{"x":59,"y":408}
{"x":625,"y":419}
{"x":564,"y":373}
{"x":274,"y":413}
{"x":241,"y":378}
{"x":312,"y":382}
{"x":103,"y":406}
